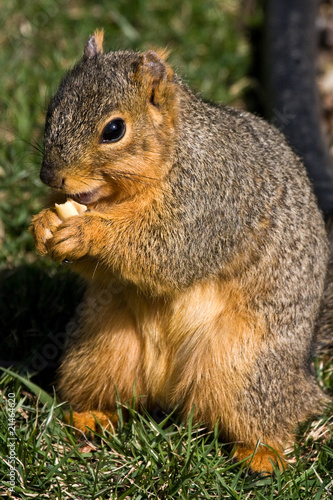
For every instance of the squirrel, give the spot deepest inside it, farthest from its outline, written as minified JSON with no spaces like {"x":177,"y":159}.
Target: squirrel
{"x":204,"y":222}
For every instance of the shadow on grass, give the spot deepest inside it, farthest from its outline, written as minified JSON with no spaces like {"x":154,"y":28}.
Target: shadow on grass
{"x":36,"y":304}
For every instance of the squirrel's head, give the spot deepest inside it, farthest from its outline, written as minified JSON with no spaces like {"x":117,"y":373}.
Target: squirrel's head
{"x":110,"y":127}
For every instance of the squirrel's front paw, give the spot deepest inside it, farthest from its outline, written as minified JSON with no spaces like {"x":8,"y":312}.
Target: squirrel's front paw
{"x":43,"y":227}
{"x":71,"y":241}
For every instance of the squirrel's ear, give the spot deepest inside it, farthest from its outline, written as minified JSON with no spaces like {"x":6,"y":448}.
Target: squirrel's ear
{"x":94,"y":45}
{"x":156,"y":75}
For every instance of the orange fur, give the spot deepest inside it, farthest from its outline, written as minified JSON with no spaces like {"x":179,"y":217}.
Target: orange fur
{"x":107,"y":356}
{"x":99,"y":37}
{"x":220,"y":340}
{"x":194,"y":350}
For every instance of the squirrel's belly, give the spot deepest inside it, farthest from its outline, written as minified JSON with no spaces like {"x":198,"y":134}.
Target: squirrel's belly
{"x":209,"y":318}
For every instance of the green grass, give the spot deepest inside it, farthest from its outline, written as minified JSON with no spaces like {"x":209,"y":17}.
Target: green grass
{"x":147,"y":457}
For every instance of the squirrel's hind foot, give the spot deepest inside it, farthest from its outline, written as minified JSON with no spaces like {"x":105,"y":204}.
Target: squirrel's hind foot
{"x":261,"y":460}
{"x":93,"y":420}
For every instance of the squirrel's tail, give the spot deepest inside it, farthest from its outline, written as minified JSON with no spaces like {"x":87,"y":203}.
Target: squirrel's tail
{"x":324,"y":328}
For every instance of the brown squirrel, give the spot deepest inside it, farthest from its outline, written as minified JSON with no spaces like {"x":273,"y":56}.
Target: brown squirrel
{"x":205,"y":220}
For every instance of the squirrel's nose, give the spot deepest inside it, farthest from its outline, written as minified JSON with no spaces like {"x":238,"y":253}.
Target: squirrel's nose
{"x":51,"y":177}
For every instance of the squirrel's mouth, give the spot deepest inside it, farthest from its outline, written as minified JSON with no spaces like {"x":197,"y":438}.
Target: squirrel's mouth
{"x":86,"y":197}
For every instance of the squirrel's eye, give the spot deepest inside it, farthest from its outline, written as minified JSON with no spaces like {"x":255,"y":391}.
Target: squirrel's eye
{"x":113,"y":131}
